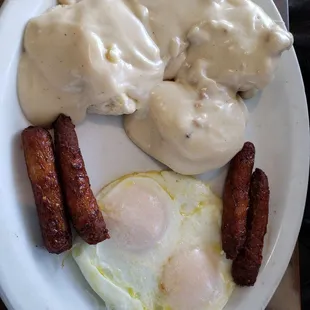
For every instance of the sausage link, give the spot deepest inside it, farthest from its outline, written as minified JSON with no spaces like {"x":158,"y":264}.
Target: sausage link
{"x":236,"y":200}
{"x":40,"y":161}
{"x":83,"y":208}
{"x":246,"y":266}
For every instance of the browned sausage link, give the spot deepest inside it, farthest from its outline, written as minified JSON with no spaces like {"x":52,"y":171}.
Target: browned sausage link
{"x":83,"y":208}
{"x":246,"y":266}
{"x":40,"y":161}
{"x":236,"y":200}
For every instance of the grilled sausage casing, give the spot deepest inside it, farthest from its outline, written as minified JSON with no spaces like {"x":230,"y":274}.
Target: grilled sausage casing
{"x":40,"y":161}
{"x":83,"y":208}
{"x":236,"y":200}
{"x":246,"y":266}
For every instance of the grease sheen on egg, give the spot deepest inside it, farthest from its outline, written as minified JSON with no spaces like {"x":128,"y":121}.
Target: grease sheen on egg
{"x":165,"y":248}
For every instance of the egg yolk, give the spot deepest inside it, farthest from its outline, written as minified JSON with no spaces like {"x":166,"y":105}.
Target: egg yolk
{"x":135,"y":213}
{"x":190,"y":280}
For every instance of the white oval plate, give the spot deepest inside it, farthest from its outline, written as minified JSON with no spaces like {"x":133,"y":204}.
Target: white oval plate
{"x":32,"y":279}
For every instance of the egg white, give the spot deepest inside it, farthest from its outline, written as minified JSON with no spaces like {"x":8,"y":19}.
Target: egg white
{"x":165,"y":248}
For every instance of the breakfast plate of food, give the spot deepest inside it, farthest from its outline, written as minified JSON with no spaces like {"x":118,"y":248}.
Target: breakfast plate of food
{"x":154,"y":155}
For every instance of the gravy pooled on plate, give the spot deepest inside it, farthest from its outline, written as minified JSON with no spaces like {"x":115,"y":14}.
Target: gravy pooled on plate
{"x":95,"y":55}
{"x":214,"y":51}
{"x":179,"y":68}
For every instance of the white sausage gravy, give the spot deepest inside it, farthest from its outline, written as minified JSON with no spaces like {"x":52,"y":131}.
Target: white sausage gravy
{"x":177,"y":68}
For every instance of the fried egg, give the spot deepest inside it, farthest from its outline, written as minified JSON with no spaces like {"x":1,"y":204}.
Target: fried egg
{"x":165,"y":249}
